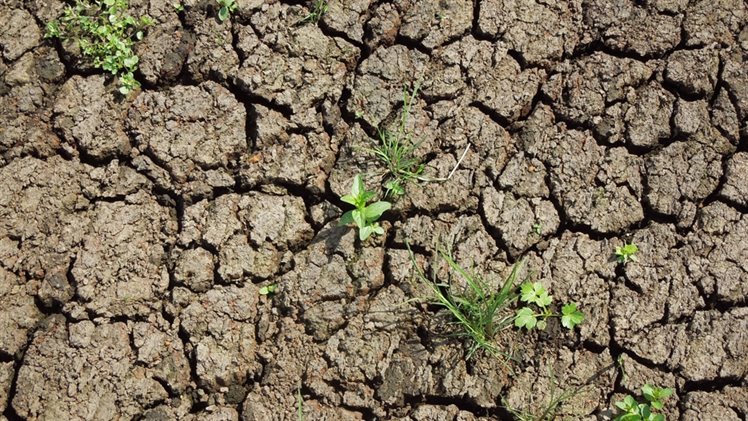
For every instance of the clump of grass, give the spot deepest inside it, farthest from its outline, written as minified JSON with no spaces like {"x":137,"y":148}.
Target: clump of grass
{"x":319,"y":8}
{"x":105,"y":33}
{"x":479,"y":311}
{"x":396,"y":151}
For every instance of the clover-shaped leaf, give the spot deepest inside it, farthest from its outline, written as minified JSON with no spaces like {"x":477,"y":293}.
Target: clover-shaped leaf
{"x":526,"y":318}
{"x":535,"y":293}
{"x":570,"y":316}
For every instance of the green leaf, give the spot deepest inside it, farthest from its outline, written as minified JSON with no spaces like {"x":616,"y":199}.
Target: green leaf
{"x":358,"y":218}
{"x":365,"y":232}
{"x":349,"y":199}
{"x":131,"y":61}
{"x":570,"y":316}
{"x":658,"y":417}
{"x":346,"y":219}
{"x":358,"y":188}
{"x":223,"y":13}
{"x":268,"y":289}
{"x":375,"y":210}
{"x":544,"y":299}
{"x":525,"y":317}
{"x":656,"y":404}
{"x":541,"y":324}
{"x":535,"y":293}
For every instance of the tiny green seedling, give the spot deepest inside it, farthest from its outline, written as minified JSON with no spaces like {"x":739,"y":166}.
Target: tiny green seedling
{"x":319,"y":8}
{"x":178,"y":7}
{"x":226,"y":8}
{"x":105,"y":33}
{"x":268,"y":289}
{"x":626,"y":253}
{"x":537,"y":228}
{"x":534,"y":293}
{"x":635,"y":411}
{"x":364,"y":216}
{"x":479,"y":311}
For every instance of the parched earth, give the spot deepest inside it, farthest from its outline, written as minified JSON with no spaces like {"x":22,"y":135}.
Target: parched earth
{"x":135,"y":234}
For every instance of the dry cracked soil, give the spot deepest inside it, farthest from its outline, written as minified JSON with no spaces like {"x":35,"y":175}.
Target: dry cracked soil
{"x":136,"y":233}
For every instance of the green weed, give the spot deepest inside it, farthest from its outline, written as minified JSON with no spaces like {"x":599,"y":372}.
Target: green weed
{"x":364,"y":216}
{"x":635,"y":411}
{"x":268,"y":289}
{"x":226,"y":8}
{"x":105,"y":33}
{"x":479,"y":311}
{"x":533,"y":293}
{"x":396,"y":150}
{"x":626,"y":253}
{"x":319,"y":8}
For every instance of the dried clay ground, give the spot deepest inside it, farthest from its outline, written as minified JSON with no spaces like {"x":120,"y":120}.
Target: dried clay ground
{"x":135,"y":233}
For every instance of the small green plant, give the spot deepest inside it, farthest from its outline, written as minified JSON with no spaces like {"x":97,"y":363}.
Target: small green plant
{"x":178,"y":6}
{"x":105,"y":33}
{"x":534,"y":293}
{"x":635,"y":411}
{"x":268,"y":289}
{"x":364,"y":216}
{"x":537,"y":228}
{"x":478,"y":310}
{"x":299,"y":404}
{"x":396,"y":150}
{"x":626,"y":253}
{"x":319,"y":8}
{"x":226,"y":8}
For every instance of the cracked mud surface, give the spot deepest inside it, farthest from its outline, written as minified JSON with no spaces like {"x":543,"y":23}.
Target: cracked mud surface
{"x":135,"y":234}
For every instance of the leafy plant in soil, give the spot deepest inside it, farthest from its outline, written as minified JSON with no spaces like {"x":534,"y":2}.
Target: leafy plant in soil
{"x":227,"y":7}
{"x":479,"y":312}
{"x":533,"y":293}
{"x":105,"y":33}
{"x":365,"y":216}
{"x":626,"y":253}
{"x":635,"y":411}
{"x":319,"y":8}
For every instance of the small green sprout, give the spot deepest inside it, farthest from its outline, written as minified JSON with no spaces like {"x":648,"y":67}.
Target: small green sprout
{"x":268,"y":289}
{"x":537,"y":228}
{"x":364,"y":216}
{"x":105,"y":33}
{"x":626,"y":253}
{"x":227,"y":7}
{"x":534,"y":293}
{"x":319,"y":8}
{"x":178,"y":7}
{"x":635,"y":411}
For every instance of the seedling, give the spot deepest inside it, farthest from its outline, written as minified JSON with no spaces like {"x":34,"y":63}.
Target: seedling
{"x":635,"y":411}
{"x":105,"y":33}
{"x":626,"y":253}
{"x":479,"y":312}
{"x":533,"y":293}
{"x":537,"y":228}
{"x":268,"y":289}
{"x":319,"y":8}
{"x":178,"y":7}
{"x":226,"y":8}
{"x":364,"y":216}
{"x":299,"y":404}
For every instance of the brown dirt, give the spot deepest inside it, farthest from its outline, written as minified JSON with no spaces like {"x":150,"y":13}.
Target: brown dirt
{"x":135,"y":234}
